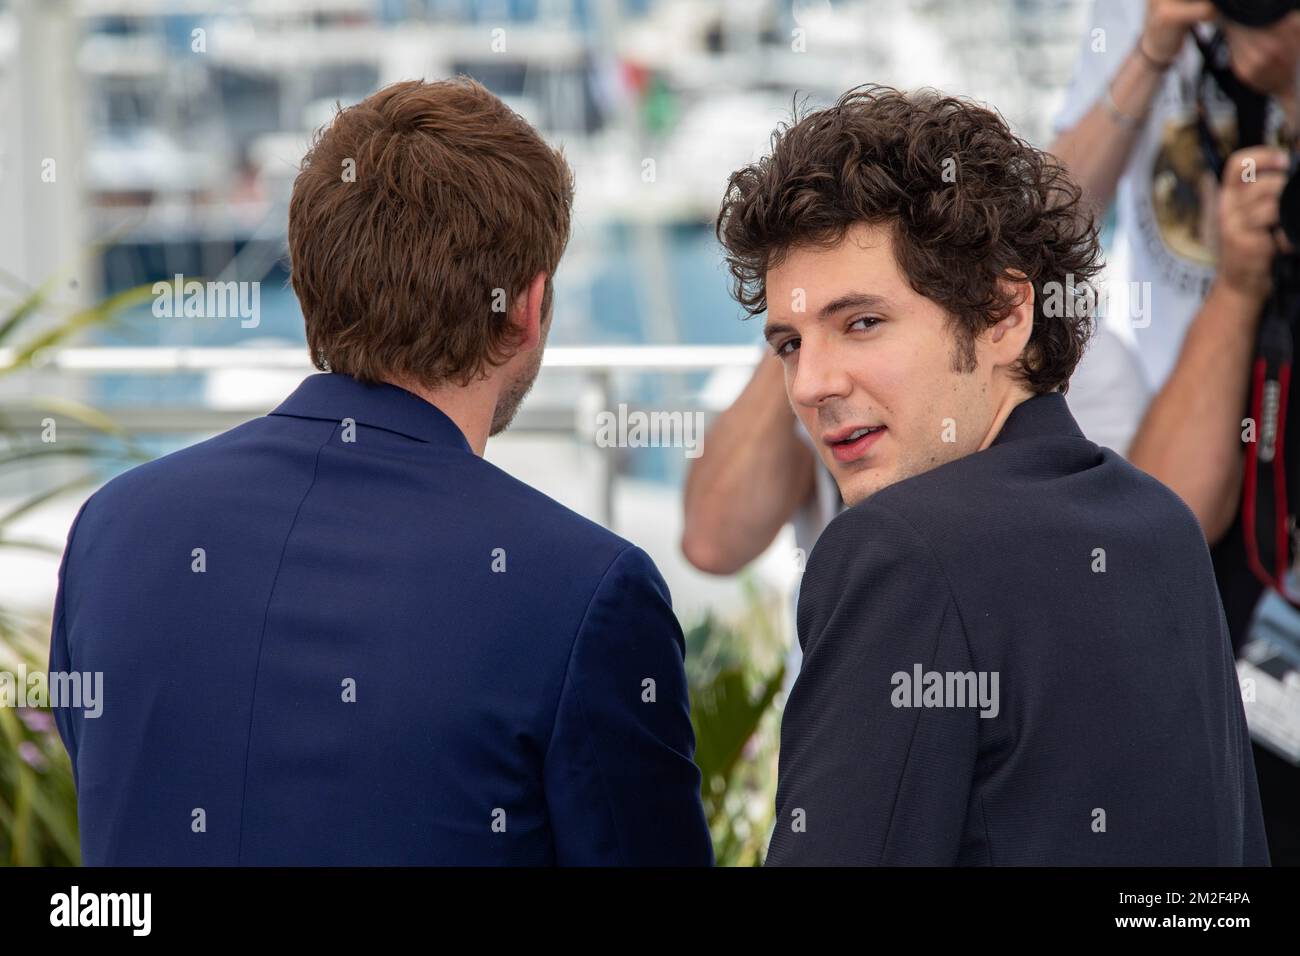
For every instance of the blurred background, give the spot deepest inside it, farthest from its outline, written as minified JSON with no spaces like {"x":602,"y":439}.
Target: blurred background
{"x":142,"y":139}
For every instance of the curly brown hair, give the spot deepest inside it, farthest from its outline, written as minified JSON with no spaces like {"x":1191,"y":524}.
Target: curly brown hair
{"x":417,"y":216}
{"x":968,"y":203}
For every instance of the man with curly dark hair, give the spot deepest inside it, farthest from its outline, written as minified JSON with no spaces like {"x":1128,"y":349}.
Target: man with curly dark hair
{"x":1014,"y":650}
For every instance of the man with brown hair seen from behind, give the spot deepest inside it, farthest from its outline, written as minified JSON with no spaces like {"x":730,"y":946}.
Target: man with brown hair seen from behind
{"x":335,"y":635}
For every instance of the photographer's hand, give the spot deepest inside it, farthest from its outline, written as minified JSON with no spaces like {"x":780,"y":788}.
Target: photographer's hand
{"x":1248,"y":215}
{"x":1166,"y":27}
{"x":1096,"y":149}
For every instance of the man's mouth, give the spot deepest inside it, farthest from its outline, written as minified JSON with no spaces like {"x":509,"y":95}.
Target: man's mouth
{"x":850,"y":444}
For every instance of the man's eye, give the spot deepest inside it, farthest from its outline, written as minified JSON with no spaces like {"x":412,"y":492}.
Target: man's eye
{"x":786,"y":347}
{"x":871,"y":322}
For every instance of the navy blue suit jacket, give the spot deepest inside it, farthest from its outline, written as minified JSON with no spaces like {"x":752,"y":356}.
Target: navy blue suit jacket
{"x":387,"y":651}
{"x":1118,"y":736}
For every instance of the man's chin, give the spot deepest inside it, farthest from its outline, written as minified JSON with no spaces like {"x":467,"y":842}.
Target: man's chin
{"x":509,"y":403}
{"x":501,"y":420}
{"x":858,"y":487}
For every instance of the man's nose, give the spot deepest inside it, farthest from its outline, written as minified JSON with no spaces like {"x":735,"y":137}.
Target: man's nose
{"x":818,"y":376}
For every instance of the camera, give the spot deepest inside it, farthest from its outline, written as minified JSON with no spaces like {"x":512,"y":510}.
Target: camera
{"x":1250,"y":106}
{"x":1256,"y":13}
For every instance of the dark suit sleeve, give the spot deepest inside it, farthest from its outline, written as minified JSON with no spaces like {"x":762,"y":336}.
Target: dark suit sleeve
{"x":60,"y":654}
{"x":622,"y":787}
{"x":862,"y":781}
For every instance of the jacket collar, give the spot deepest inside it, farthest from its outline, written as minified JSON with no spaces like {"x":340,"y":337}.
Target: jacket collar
{"x":332,"y":396}
{"x":1043,"y":416}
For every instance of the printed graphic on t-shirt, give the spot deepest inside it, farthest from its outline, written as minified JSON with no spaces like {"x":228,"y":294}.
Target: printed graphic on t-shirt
{"x":1183,"y":190}
{"x":1177,"y":199}
{"x":1179,"y":204}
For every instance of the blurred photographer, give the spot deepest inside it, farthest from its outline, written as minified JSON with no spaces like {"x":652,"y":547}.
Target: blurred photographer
{"x":1185,"y":115}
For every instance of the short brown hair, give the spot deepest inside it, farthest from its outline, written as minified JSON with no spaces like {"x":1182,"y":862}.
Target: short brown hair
{"x":968,"y":204}
{"x":415,"y":213}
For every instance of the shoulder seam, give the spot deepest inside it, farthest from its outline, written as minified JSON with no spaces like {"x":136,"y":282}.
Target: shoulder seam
{"x":951,"y":602}
{"x":934,"y":558}
{"x":568,"y":661}
{"x":257,"y":669}
{"x":568,"y":667}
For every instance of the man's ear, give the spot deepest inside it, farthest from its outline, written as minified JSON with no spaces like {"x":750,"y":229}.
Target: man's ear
{"x":526,"y":313}
{"x":1008,"y":337}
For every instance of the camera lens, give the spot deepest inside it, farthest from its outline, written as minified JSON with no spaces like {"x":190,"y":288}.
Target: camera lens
{"x":1256,"y":13}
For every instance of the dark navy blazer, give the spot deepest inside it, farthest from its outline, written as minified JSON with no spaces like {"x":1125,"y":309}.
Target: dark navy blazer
{"x":387,"y":651}
{"x":1118,"y":735}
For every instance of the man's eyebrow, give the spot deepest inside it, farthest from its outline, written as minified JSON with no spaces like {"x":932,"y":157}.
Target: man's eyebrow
{"x":850,"y":300}
{"x":773,"y":329}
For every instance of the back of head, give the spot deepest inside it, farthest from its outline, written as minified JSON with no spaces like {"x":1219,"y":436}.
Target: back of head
{"x":419,"y":214}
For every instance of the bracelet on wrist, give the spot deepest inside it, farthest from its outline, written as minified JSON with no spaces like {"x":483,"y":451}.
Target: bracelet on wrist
{"x":1121,"y":118}
{"x":1151,"y":61}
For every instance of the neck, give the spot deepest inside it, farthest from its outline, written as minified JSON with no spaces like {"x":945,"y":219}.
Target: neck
{"x":471,"y":407}
{"x":1013,"y":396}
